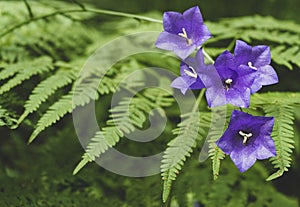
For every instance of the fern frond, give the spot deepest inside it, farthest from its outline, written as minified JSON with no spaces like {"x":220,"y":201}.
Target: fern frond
{"x":47,"y":87}
{"x":178,"y":150}
{"x":29,"y":69}
{"x":271,"y":98}
{"x":281,"y":106}
{"x":53,"y":114}
{"x":283,"y":135}
{"x":282,"y":36}
{"x":124,"y":118}
{"x":215,"y":132}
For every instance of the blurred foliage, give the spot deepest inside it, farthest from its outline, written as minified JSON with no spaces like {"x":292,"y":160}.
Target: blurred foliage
{"x":40,"y":62}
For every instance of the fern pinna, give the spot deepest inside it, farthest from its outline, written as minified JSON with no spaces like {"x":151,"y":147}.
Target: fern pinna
{"x":41,"y":57}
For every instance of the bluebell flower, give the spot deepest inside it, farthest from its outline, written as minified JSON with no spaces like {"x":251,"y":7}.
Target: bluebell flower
{"x":190,"y":70}
{"x":183,"y":33}
{"x":226,"y":84}
{"x":257,"y":58}
{"x":247,"y":139}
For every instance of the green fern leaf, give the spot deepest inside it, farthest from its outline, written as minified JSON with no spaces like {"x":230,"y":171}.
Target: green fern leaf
{"x":53,"y":114}
{"x":45,"y":89}
{"x":178,"y":149}
{"x":29,"y":69}
{"x":283,"y":136}
{"x":125,"y":117}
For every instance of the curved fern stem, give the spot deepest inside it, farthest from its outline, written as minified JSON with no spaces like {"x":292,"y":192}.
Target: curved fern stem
{"x":207,"y":56}
{"x":82,"y":9}
{"x":28,"y":8}
{"x":180,"y":147}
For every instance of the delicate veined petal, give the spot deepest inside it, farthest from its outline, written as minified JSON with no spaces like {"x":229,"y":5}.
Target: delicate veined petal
{"x":242,"y":52}
{"x":256,"y":58}
{"x":181,"y":84}
{"x":261,"y":55}
{"x":267,"y":75}
{"x":190,"y":70}
{"x":183,"y":33}
{"x":175,"y":43}
{"x":226,"y":84}
{"x":247,"y":139}
{"x":172,"y":22}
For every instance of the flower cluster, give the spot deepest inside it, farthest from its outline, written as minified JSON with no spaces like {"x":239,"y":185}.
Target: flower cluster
{"x":231,"y":79}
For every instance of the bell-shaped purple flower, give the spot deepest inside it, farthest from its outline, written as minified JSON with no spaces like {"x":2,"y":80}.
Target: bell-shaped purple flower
{"x":190,"y":70}
{"x":257,"y":58}
{"x":247,"y":139}
{"x":183,"y":33}
{"x":226,"y":84}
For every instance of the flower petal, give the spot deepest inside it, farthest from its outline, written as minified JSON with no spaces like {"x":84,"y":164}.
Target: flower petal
{"x":181,"y":84}
{"x":268,"y":75}
{"x":242,"y":52}
{"x":215,"y":97}
{"x":175,"y":43}
{"x":173,"y":22}
{"x":243,"y":159}
{"x":239,"y":97}
{"x":261,"y":55}
{"x":266,"y":150}
{"x":193,"y":17}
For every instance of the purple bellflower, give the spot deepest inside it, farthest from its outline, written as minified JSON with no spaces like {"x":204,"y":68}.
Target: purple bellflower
{"x":247,"y":139}
{"x":190,"y":70}
{"x":257,"y":58}
{"x":183,"y":33}
{"x":226,"y":84}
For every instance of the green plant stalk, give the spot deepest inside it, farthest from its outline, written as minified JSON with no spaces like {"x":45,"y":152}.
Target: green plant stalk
{"x":66,"y":11}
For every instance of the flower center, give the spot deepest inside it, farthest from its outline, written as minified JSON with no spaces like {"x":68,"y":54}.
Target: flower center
{"x":191,"y":73}
{"x":184,"y":35}
{"x":228,"y":83}
{"x":246,"y":136}
{"x":251,"y":66}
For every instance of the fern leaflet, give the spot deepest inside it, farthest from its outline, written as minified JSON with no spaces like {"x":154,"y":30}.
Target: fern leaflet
{"x":47,"y":87}
{"x":29,"y":69}
{"x":124,"y":118}
{"x":283,"y":135}
{"x":178,"y":149}
{"x":53,"y":114}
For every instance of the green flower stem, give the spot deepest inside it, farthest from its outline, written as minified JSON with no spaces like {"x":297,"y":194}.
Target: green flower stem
{"x":28,"y":8}
{"x":208,"y":56}
{"x":83,"y":9}
{"x":198,"y":101}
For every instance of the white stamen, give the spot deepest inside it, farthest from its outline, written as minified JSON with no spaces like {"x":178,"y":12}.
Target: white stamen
{"x":251,"y":66}
{"x":245,"y":136}
{"x":228,"y":81}
{"x":192,"y":74}
{"x":184,"y":35}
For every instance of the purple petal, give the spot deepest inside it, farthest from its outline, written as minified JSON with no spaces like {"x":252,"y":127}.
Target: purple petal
{"x":173,"y":22}
{"x":200,"y":34}
{"x":261,"y":55}
{"x":268,"y":75}
{"x":266,"y":150}
{"x":198,"y":84}
{"x":193,"y":19}
{"x":248,"y":77}
{"x":239,"y":97}
{"x":180,"y":83}
{"x":243,"y":159}
{"x":215,"y":97}
{"x":175,"y":43}
{"x":199,"y":59}
{"x":193,"y":15}
{"x":242,"y":52}
{"x":225,"y":62}
{"x":228,"y":142}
